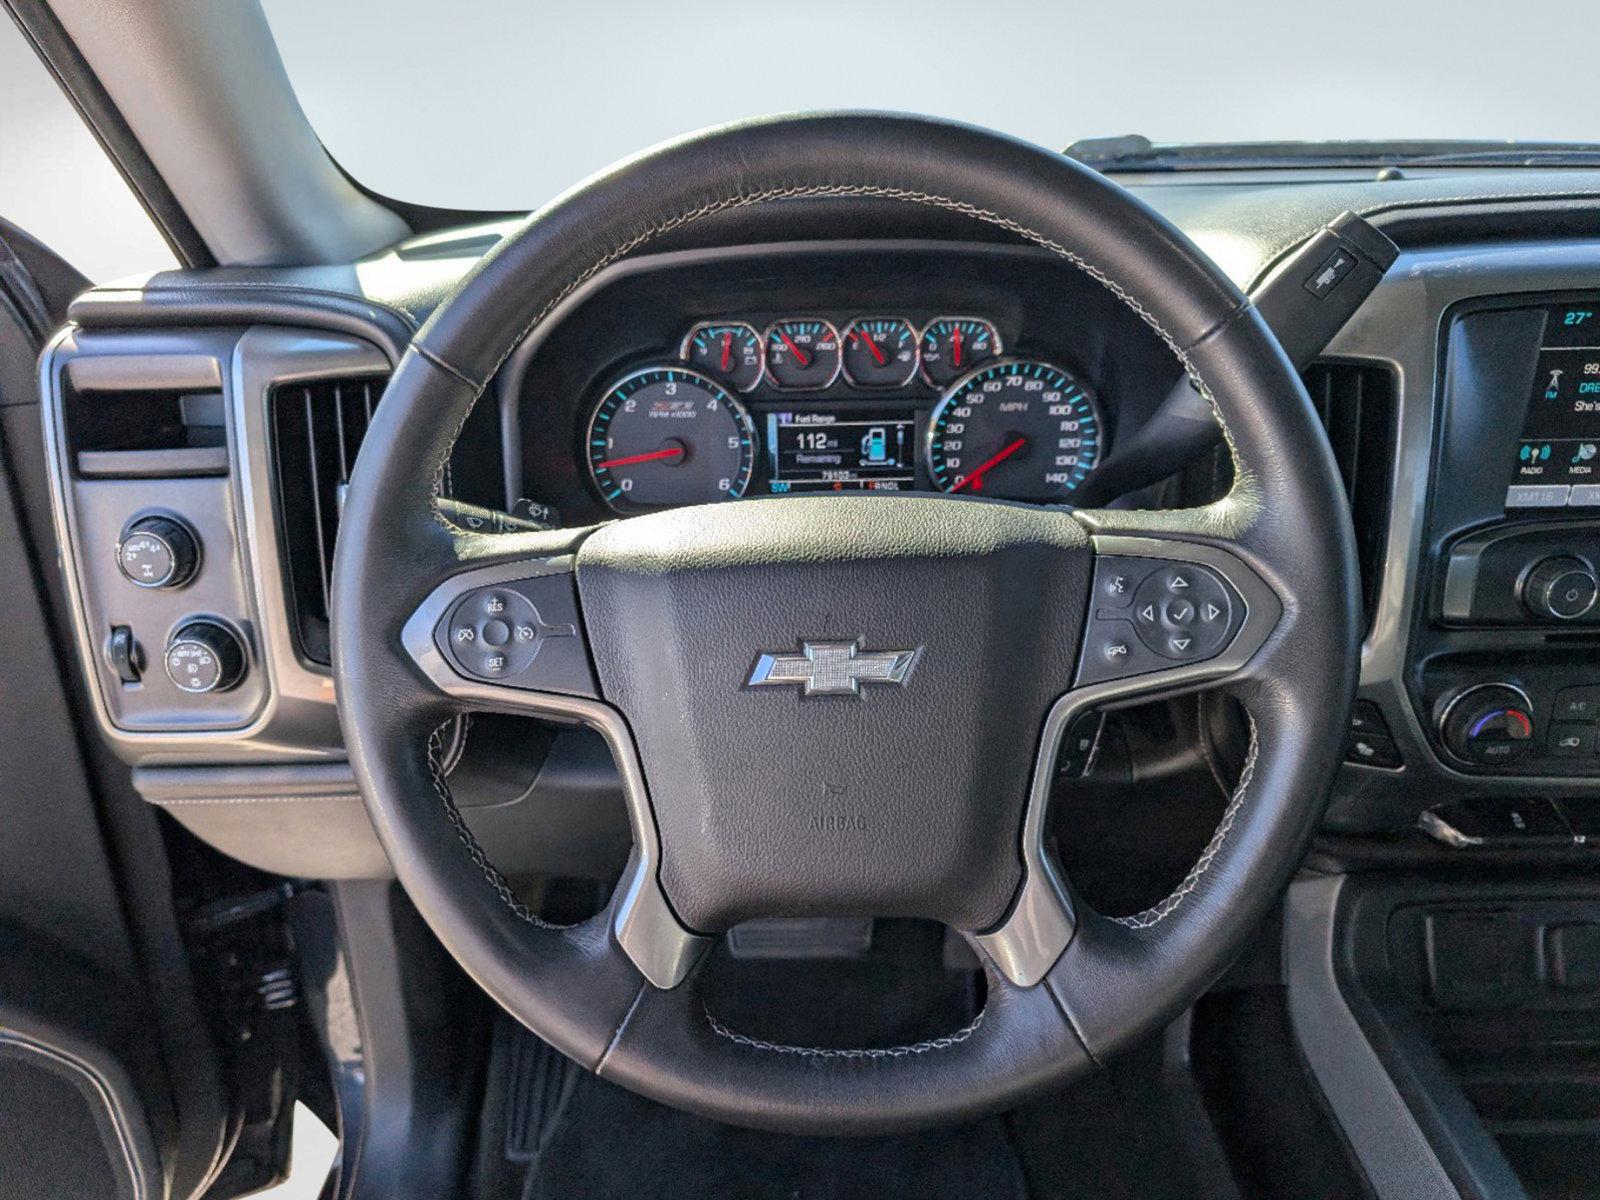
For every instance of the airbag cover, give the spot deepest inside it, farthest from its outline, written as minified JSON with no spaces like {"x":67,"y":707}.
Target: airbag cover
{"x":904,"y":800}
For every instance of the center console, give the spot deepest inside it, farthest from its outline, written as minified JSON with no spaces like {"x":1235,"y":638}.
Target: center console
{"x":1505,"y":663}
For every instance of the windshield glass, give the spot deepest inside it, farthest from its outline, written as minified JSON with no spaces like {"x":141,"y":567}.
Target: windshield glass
{"x":501,"y":104}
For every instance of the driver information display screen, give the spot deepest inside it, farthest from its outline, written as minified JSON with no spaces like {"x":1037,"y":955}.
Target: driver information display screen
{"x":1556,"y":456}
{"x":841,"y":450}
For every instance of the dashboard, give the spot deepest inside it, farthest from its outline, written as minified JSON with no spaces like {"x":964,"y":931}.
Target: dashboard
{"x":872,"y":404}
{"x":1479,"y":527}
{"x":833,"y":368}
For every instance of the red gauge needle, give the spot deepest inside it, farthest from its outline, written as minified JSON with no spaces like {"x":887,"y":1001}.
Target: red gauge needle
{"x":974,"y":480}
{"x":652,"y":456}
{"x":873,"y":346}
{"x":800,"y":355}
{"x":955,"y":347}
{"x":727,"y":347}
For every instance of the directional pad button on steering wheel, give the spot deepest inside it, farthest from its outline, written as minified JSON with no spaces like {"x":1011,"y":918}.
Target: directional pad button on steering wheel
{"x":1183,"y":611}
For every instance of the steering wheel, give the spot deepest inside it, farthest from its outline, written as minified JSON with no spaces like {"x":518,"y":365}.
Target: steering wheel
{"x":841,"y":705}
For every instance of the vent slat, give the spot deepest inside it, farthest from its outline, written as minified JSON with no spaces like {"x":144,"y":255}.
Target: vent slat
{"x":317,"y":430}
{"x":1356,"y":404}
{"x":338,"y":417}
{"x":315,"y":466}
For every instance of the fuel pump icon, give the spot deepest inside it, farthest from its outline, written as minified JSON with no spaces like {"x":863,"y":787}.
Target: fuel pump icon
{"x":875,"y":447}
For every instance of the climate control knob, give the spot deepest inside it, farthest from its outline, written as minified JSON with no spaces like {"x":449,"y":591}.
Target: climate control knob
{"x":205,"y":656}
{"x":1489,"y":725}
{"x":1560,"y":589}
{"x":158,"y":552}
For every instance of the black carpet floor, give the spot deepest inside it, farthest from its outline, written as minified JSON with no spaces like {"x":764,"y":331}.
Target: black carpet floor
{"x":613,"y":1143}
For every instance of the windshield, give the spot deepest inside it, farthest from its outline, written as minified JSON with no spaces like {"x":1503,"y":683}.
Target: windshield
{"x":502,"y":104}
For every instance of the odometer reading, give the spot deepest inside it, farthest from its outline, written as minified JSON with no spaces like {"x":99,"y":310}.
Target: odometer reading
{"x":666,"y":436}
{"x":1017,"y":431}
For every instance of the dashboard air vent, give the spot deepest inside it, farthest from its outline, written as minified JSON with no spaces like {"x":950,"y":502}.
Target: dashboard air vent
{"x":1356,"y":402}
{"x":317,"y":428}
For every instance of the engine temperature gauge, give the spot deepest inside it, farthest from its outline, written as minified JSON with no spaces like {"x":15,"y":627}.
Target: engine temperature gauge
{"x":802,"y":354}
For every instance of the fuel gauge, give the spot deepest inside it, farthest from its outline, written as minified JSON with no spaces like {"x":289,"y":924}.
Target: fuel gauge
{"x":880,"y":352}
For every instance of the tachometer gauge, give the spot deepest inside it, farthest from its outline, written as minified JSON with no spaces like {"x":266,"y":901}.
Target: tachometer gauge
{"x":802,"y":354}
{"x":879,"y":352}
{"x":725,"y":350}
{"x":1017,"y":431}
{"x":667,"y":436}
{"x":951,"y":346}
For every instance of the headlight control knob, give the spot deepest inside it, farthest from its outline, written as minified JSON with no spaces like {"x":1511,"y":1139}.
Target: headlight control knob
{"x":158,"y":552}
{"x":1560,"y":589}
{"x":205,"y":656}
{"x":1489,"y":724}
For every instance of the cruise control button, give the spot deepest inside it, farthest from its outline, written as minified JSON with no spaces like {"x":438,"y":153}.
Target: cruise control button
{"x":520,"y":634}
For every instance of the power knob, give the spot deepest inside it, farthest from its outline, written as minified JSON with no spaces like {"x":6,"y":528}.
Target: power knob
{"x":158,"y":552}
{"x":205,"y":656}
{"x":1560,"y":588}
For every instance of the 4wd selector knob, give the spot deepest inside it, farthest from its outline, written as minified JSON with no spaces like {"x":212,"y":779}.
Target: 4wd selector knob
{"x":1489,"y":724}
{"x":1560,"y":589}
{"x":158,"y":552}
{"x":205,"y":656}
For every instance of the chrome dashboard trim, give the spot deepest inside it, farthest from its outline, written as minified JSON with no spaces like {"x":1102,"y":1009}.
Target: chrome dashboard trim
{"x":296,"y":718}
{"x":1402,"y":326}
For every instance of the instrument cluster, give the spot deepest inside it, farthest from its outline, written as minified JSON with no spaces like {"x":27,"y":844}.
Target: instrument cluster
{"x":799,"y":406}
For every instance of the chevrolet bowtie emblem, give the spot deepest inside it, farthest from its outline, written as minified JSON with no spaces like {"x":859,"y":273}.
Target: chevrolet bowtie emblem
{"x":833,"y":668}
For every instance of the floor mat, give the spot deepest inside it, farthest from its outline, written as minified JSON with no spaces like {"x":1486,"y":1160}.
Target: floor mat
{"x":613,"y":1143}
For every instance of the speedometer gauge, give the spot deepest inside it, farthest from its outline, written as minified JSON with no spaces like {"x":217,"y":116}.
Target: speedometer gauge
{"x":666,"y":436}
{"x":1016,"y":431}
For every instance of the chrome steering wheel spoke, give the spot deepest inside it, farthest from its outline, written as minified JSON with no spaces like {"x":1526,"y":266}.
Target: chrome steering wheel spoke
{"x":1042,"y":921}
{"x":535,"y":599}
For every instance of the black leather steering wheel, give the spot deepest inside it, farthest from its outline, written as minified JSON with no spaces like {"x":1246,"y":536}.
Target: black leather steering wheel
{"x":924,"y":799}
